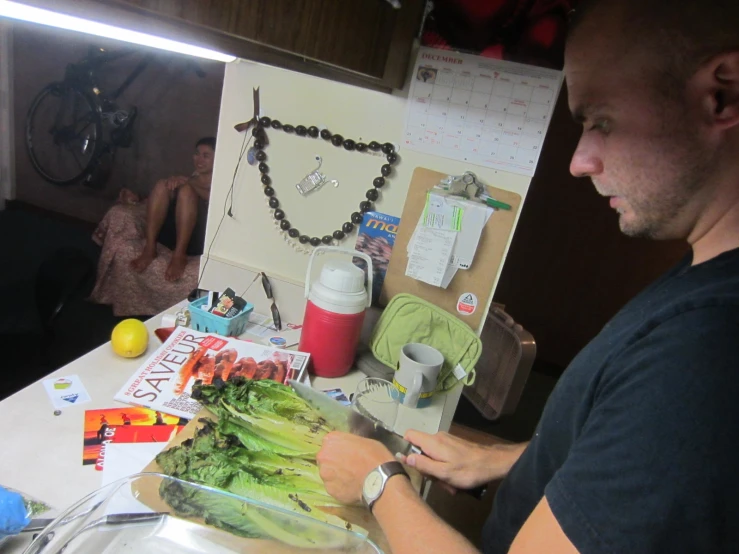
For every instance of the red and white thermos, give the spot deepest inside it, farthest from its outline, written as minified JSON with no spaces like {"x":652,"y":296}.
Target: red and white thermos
{"x":335,"y":311}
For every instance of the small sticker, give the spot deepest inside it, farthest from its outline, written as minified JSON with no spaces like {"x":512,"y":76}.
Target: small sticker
{"x":71,"y":398}
{"x":459,"y":372}
{"x":278,"y":341}
{"x":467,"y":304}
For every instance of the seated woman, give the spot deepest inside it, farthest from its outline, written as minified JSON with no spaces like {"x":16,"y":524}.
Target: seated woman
{"x":177,"y":207}
{"x":151,"y":249}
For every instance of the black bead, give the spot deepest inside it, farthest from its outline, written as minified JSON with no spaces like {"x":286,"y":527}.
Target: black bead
{"x":293,"y":233}
{"x":284,"y":224}
{"x":379,"y":182}
{"x":337,"y":140}
{"x":274,"y":203}
{"x":372,"y":195}
{"x":261,"y":156}
{"x":266,"y":180}
{"x":288,"y":128}
{"x":279,"y":214}
{"x":259,"y":144}
{"x":265,"y":121}
{"x":374,"y":145}
{"x":315,"y":241}
{"x":357,"y":218}
{"x":304,"y":239}
{"x":301,"y":131}
{"x":364,"y":207}
{"x":276,"y":124}
{"x":349,"y":144}
{"x":269,"y":191}
{"x":257,"y":132}
{"x":347,"y":227}
{"x":338,"y":235}
{"x":264,"y":168}
{"x":387,"y":148}
{"x":327,"y":239}
{"x":392,"y":157}
{"x":325,"y":134}
{"x":386,"y":169}
{"x":313,"y":131}
{"x":360,"y":146}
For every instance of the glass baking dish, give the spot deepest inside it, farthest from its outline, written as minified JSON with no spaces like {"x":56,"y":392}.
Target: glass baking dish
{"x":131,"y":516}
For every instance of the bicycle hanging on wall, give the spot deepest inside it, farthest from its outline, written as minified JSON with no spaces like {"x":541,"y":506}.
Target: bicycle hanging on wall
{"x":73,"y":124}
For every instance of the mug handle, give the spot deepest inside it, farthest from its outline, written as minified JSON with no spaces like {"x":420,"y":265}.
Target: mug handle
{"x":414,"y":391}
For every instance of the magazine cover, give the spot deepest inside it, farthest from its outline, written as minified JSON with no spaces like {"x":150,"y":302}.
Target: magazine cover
{"x":124,"y":425}
{"x":376,"y":238}
{"x":164,"y":382}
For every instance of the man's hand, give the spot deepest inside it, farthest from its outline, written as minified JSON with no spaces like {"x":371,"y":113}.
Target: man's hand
{"x":173,"y":183}
{"x":460,"y":463}
{"x":345,"y":460}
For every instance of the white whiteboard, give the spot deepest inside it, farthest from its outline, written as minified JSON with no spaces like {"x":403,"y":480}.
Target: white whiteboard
{"x":249,"y":238}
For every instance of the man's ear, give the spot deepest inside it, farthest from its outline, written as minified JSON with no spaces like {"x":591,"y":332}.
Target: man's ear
{"x":719,"y":88}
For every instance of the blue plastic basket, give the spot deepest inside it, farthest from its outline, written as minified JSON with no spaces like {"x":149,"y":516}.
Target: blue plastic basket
{"x":200,"y":320}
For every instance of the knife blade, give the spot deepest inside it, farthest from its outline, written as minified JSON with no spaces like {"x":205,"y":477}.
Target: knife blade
{"x":346,"y":419}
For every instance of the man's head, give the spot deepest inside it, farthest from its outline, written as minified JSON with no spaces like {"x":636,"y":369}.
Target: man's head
{"x":205,"y":150}
{"x":655,"y":84}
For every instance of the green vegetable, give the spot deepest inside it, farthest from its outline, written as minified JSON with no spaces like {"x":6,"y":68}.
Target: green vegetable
{"x":263,"y":448}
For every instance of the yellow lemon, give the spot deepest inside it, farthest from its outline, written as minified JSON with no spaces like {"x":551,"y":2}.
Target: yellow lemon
{"x":129,"y":338}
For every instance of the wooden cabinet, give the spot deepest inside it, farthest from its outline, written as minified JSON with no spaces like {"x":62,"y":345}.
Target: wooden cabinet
{"x":365,"y":42}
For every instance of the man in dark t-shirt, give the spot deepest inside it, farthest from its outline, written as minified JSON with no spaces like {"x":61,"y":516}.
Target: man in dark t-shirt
{"x":636,"y":451}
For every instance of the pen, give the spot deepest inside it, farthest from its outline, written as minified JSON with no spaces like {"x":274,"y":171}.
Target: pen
{"x":493,"y":203}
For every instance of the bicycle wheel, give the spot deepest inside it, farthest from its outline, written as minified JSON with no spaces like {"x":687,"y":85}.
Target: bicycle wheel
{"x":64,"y":133}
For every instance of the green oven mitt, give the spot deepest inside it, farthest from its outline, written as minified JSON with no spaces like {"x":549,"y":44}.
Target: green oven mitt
{"x":408,"y":318}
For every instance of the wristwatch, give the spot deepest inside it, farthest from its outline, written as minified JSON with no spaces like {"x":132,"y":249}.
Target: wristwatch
{"x":374,"y":483}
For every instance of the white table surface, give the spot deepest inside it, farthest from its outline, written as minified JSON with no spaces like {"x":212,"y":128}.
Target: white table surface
{"x":41,"y":454}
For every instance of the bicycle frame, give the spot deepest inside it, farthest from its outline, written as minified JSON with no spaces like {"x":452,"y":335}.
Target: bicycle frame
{"x":83,"y":73}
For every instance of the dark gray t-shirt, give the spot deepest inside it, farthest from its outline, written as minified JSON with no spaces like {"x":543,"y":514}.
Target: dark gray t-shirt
{"x":637,"y":450}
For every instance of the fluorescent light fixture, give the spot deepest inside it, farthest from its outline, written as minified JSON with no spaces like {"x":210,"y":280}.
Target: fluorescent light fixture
{"x":15,"y":10}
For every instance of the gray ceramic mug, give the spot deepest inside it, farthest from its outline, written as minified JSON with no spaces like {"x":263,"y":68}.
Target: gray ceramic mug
{"x":418,"y":370}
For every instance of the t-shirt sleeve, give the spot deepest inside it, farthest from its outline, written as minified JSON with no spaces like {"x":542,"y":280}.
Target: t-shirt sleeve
{"x":654,"y":468}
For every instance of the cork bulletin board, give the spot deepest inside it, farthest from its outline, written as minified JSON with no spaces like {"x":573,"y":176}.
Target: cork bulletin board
{"x":477,"y":280}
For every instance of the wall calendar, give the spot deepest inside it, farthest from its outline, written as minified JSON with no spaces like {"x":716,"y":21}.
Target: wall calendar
{"x":488,"y":112}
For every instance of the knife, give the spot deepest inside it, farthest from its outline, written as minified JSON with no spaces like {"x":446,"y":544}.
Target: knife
{"x":346,"y":419}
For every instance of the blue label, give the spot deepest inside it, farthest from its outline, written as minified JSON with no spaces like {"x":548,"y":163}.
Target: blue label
{"x":278,"y":341}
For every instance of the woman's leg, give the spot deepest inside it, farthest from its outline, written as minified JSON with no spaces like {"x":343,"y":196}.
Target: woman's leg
{"x":158,"y":204}
{"x":186,"y":217}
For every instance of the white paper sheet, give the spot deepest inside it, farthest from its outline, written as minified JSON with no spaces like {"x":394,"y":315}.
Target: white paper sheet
{"x":439,"y":213}
{"x":122,"y":460}
{"x":66,"y":391}
{"x":475,"y":217}
{"x":431,"y":252}
{"x":488,"y":112}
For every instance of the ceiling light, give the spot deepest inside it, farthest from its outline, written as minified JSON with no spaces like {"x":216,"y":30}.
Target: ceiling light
{"x":14,"y":10}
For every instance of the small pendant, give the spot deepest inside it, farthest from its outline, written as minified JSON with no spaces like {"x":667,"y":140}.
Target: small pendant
{"x":314,"y":180}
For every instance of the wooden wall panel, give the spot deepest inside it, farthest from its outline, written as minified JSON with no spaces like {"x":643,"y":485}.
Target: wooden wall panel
{"x":356,"y":35}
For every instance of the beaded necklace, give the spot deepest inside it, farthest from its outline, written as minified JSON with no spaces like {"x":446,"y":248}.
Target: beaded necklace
{"x":260,"y":142}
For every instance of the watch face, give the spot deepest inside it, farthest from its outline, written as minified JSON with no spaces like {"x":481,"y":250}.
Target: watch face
{"x":373,"y":485}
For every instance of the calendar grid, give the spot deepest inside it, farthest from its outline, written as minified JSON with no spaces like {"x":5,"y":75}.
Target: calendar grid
{"x":487,"y":112}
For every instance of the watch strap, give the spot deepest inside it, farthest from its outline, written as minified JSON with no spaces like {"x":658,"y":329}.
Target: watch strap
{"x":387,"y":470}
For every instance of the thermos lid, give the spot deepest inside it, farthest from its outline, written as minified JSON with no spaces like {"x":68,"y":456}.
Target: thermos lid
{"x":342,"y":276}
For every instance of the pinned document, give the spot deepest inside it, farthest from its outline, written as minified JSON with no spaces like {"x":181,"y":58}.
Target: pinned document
{"x":429,"y":254}
{"x":456,"y":221}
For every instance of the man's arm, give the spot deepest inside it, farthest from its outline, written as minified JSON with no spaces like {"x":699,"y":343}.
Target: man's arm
{"x":410,"y":526}
{"x":542,"y":533}
{"x":408,"y":523}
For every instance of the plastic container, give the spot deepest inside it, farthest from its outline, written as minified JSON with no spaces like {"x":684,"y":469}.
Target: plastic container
{"x":131,"y":515}
{"x":335,"y":312}
{"x":200,"y":320}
